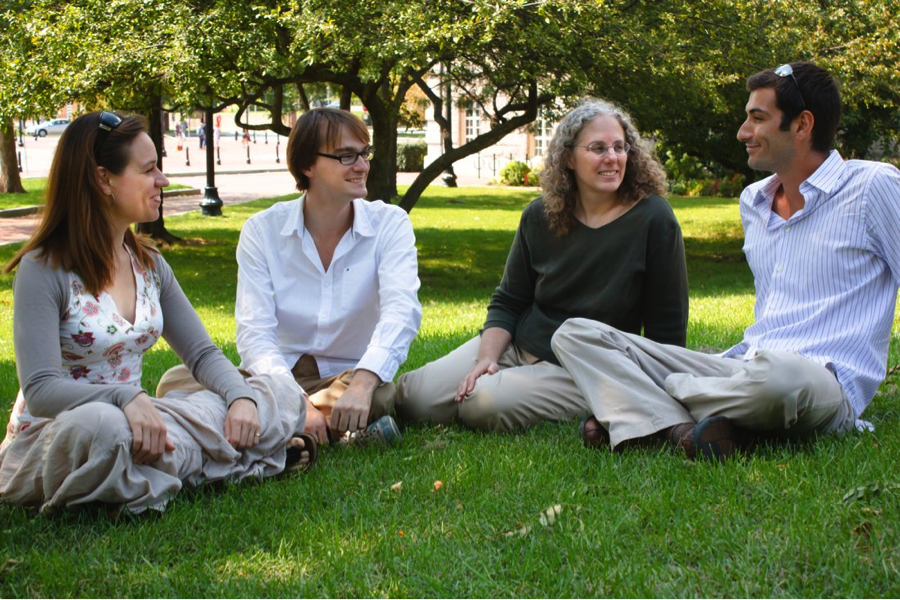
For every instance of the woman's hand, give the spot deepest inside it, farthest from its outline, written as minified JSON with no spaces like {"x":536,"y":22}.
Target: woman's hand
{"x":494,"y":342}
{"x":17,"y":409}
{"x":242,"y":424}
{"x":148,"y":432}
{"x":484,"y":366}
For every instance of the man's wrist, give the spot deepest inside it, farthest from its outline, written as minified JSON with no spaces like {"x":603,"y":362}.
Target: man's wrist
{"x":365,"y":381}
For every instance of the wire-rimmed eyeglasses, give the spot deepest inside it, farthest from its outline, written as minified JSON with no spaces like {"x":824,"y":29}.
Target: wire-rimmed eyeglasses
{"x":349,"y":158}
{"x":786,"y":70}
{"x":600,"y":149}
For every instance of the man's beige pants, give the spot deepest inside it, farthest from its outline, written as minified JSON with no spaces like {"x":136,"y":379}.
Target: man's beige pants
{"x":323,"y":392}
{"x":524,"y":392}
{"x":636,"y":387}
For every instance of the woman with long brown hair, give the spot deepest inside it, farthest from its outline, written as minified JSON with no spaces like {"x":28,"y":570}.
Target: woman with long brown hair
{"x":90,"y":298}
{"x":601,"y":243}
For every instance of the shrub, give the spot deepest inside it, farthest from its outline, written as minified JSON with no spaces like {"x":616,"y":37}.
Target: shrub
{"x":514,"y":173}
{"x":411,"y":156}
{"x":534,"y":177}
{"x":728,"y":187}
{"x":695,"y":187}
{"x":731,"y":187}
{"x":683,"y":169}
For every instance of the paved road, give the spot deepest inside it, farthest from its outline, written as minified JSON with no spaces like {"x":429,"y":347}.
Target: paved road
{"x":236,"y":180}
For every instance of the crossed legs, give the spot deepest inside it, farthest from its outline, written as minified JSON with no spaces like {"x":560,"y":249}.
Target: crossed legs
{"x":636,"y":387}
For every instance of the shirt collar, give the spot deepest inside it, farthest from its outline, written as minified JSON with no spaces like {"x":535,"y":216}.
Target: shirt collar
{"x":829,"y":175}
{"x":362,"y":224}
{"x":293,"y":221}
{"x":826,"y":179}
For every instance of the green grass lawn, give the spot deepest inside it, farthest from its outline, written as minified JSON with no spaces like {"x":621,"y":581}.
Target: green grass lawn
{"x":644,"y":523}
{"x":34,"y":193}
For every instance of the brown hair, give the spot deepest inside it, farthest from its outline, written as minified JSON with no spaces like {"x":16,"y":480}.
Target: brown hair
{"x":314,"y":130}
{"x":75,"y":232}
{"x":643,"y":173}
{"x":810,"y":88}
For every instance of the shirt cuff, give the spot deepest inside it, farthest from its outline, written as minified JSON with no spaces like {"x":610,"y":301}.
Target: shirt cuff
{"x":381,"y":362}
{"x":269,"y":364}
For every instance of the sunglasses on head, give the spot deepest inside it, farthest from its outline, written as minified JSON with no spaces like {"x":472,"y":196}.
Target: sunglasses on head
{"x":787,"y":70}
{"x":108,"y":122}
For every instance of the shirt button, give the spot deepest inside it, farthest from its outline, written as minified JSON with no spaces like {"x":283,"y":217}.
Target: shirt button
{"x":787,"y":228}
{"x":779,"y":269}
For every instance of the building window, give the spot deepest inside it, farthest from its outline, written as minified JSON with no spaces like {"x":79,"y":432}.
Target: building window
{"x":543,"y":132}
{"x":473,"y":122}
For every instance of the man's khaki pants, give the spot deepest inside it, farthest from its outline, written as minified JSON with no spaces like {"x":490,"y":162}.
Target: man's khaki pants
{"x":524,"y":392}
{"x":636,"y":387}
{"x":323,"y":392}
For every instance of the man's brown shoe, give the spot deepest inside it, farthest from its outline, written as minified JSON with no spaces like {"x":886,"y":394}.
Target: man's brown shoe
{"x":712,"y":438}
{"x":593,"y":434}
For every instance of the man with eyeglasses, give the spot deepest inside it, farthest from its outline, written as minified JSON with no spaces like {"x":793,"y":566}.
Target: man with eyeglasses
{"x":327,"y":285}
{"x":822,"y":238}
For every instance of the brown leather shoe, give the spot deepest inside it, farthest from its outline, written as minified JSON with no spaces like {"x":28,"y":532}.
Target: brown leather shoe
{"x":714,"y":438}
{"x":593,"y":434}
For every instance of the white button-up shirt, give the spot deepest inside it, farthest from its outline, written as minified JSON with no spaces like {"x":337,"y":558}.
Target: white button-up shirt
{"x":362,"y":313}
{"x":826,"y":278}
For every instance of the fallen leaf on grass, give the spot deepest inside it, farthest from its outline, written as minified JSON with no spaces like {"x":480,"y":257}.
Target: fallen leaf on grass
{"x":11,"y":564}
{"x":397,"y":486}
{"x":438,"y":485}
{"x":871,"y":489}
{"x":546,"y":519}
{"x":437,"y":444}
{"x":864,"y":529}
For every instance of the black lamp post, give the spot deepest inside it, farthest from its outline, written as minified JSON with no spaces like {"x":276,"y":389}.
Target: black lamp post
{"x":211,"y":205}
{"x":449,"y":176}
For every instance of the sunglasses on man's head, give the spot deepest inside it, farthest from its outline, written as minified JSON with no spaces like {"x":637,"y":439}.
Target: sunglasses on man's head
{"x":108,"y":122}
{"x":787,"y":70}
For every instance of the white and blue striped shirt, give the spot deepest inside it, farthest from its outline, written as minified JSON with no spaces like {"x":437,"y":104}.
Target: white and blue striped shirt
{"x":826,"y":279}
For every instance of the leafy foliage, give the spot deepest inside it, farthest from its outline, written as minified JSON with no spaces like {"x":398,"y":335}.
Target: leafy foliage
{"x":411,"y":156}
{"x":515,"y":173}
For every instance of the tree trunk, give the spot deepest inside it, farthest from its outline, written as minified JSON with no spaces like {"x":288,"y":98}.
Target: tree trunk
{"x":382,"y":180}
{"x":157,"y":229}
{"x":10,"y":180}
{"x":528,"y":110}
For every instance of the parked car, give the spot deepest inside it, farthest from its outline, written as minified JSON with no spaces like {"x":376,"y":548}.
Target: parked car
{"x":55,"y":126}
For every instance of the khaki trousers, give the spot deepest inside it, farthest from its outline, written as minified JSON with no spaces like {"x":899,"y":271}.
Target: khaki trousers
{"x":84,"y":454}
{"x":524,"y":392}
{"x":636,"y":387}
{"x":323,"y":392}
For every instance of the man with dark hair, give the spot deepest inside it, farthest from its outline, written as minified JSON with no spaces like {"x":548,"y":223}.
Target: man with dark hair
{"x":327,"y":284}
{"x":822,"y":238}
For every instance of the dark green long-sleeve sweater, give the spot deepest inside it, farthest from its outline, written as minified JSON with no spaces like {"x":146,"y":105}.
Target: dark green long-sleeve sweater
{"x":629,"y":274}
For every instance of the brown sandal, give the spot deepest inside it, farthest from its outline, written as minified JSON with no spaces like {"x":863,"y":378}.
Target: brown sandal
{"x":294,"y":454}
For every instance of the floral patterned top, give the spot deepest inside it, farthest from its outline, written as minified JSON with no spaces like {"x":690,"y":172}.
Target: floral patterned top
{"x":98,"y":344}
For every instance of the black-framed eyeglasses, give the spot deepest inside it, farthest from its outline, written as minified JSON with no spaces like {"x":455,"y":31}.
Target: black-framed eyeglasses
{"x":600,"y":149}
{"x":349,"y":158}
{"x":787,"y":70}
{"x":108,"y":122}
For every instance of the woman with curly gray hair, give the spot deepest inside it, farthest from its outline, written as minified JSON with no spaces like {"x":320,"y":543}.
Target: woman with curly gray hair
{"x":601,"y":243}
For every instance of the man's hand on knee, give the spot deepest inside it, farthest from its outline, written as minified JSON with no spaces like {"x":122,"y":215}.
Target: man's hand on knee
{"x":351,"y":411}
{"x":316,"y":423}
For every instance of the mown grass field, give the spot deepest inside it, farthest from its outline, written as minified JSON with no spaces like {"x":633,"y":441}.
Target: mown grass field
{"x":646,"y":523}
